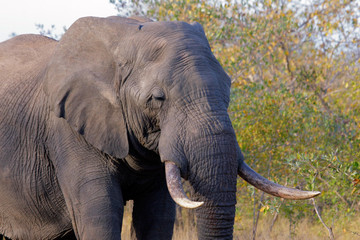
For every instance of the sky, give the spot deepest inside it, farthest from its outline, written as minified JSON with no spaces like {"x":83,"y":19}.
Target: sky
{"x":20,"y":16}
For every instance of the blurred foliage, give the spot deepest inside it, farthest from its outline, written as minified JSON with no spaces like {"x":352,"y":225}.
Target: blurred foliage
{"x":295,"y":103}
{"x":50,"y":32}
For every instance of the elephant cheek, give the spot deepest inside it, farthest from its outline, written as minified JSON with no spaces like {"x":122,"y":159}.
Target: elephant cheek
{"x":171,"y":149}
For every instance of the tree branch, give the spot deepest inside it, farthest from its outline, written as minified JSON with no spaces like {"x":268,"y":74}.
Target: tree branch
{"x":331,"y":234}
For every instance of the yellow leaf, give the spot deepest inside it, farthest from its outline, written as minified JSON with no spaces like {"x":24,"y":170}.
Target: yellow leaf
{"x":252,"y":70}
{"x":266,"y":207}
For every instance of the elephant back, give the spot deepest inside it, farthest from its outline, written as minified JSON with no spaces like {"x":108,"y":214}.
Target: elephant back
{"x":22,"y":58}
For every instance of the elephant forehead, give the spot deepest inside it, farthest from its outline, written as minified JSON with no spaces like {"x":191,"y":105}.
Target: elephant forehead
{"x":166,"y":27}
{"x":177,"y":56}
{"x":185,"y":74}
{"x":180,"y":76}
{"x":175,"y":36}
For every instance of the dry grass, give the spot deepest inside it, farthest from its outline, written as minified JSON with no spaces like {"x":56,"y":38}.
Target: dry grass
{"x":304,"y":230}
{"x":185,"y":229}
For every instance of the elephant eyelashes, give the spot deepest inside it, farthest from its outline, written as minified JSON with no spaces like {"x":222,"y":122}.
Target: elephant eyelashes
{"x":156,"y":98}
{"x":158,"y":94}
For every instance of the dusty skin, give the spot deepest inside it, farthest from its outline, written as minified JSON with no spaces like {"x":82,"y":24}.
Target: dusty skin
{"x":89,"y":122}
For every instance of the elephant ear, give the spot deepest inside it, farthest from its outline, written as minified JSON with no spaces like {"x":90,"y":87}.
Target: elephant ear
{"x":80,"y":85}
{"x":198,"y":27}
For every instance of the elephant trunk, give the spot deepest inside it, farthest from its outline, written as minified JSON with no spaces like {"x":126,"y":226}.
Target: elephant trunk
{"x":213,"y":179}
{"x":215,"y":217}
{"x":207,"y":157}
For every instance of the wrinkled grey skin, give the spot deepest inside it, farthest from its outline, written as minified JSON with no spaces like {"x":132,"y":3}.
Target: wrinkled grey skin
{"x":86,"y":124}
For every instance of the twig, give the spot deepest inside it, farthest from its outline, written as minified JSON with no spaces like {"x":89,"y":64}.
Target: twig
{"x":318,"y":175}
{"x":256,"y":219}
{"x":331,"y":234}
{"x":276,"y":216}
{"x":336,"y":192}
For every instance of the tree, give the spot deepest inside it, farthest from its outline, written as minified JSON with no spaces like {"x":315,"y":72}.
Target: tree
{"x":295,"y":67}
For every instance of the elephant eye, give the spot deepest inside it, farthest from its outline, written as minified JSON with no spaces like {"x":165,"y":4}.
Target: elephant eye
{"x":156,"y":98}
{"x":158,"y":94}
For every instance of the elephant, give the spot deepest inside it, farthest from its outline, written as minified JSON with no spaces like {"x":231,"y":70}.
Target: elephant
{"x":119,"y":109}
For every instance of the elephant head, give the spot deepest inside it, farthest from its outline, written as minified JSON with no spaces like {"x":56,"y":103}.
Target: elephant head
{"x":153,"y":93}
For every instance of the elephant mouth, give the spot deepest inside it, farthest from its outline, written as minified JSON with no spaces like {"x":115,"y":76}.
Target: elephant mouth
{"x":173,"y":180}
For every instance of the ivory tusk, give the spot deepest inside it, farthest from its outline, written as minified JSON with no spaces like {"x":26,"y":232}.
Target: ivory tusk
{"x":270,"y":187}
{"x":173,"y":181}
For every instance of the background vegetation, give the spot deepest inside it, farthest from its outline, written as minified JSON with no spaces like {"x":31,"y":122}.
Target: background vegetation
{"x":295,"y":106}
